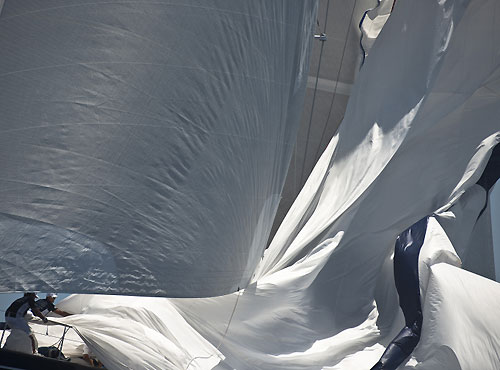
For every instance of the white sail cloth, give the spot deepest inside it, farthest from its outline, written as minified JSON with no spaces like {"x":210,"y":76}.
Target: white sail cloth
{"x":417,"y":134}
{"x":373,"y":22}
{"x":418,"y":131}
{"x":133,"y":333}
{"x":255,"y":329}
{"x":144,"y":144}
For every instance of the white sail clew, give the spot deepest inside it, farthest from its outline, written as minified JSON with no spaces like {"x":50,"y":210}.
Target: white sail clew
{"x":144,"y":144}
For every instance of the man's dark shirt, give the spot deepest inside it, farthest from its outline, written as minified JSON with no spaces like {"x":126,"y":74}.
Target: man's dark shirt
{"x":43,"y":305}
{"x":20,"y":306}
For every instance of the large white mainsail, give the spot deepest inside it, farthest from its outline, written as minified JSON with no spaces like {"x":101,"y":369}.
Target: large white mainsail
{"x":144,"y":145}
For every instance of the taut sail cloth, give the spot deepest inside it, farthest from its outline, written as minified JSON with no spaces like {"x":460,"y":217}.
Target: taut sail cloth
{"x":144,"y":145}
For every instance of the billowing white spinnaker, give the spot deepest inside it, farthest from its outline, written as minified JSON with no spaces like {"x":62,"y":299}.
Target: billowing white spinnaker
{"x":419,"y":129}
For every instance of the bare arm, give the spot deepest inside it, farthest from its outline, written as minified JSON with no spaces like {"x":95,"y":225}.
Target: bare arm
{"x":38,"y":313}
{"x":61,"y":312}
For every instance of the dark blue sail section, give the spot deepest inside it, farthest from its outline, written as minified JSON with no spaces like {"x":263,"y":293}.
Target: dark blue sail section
{"x":406,"y":252}
{"x":491,"y":173}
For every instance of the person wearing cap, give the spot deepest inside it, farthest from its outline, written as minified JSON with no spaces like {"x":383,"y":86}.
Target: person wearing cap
{"x":47,"y":305}
{"x":15,"y":314}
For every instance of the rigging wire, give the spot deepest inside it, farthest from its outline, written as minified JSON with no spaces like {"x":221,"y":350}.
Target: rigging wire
{"x":46,"y":334}
{"x":314,"y":93}
{"x":336,"y":84}
{"x":240,"y":292}
{"x":316,"y":156}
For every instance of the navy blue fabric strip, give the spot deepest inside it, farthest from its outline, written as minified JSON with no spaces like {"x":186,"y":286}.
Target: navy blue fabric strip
{"x":491,"y":173}
{"x":406,"y":252}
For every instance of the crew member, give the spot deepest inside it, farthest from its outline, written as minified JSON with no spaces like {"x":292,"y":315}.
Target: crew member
{"x":14,"y":316}
{"x":47,"y":305}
